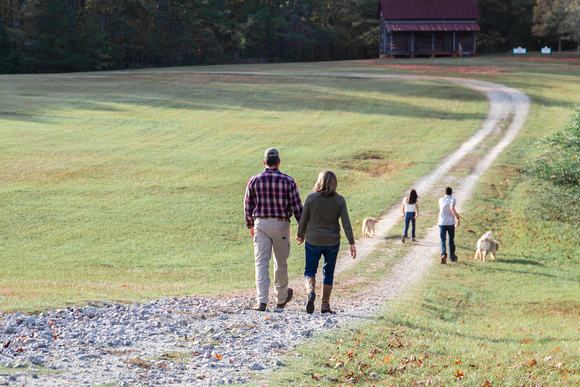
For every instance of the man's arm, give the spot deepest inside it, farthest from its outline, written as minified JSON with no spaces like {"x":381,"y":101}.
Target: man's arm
{"x":454,"y":212}
{"x":249,"y":206}
{"x":295,"y":202}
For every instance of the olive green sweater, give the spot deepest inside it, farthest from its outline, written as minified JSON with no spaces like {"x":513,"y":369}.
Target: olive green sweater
{"x":319,"y":221}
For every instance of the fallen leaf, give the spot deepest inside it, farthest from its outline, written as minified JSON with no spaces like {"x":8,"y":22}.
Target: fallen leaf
{"x":457,"y":362}
{"x":339,"y":364}
{"x":458,"y":374}
{"x":533,"y":362}
{"x":315,"y":376}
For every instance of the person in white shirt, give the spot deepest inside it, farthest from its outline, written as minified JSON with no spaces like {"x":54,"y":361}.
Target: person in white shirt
{"x":410,"y":213}
{"x":447,"y":222}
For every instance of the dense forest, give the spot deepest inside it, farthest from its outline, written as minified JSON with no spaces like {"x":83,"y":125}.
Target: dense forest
{"x":81,"y":35}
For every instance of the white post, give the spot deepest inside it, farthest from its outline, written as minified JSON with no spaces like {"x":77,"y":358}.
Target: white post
{"x":432,"y":41}
{"x":453,"y":41}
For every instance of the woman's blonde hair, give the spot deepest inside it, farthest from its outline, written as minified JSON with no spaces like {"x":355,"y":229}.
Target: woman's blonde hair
{"x":326,"y":183}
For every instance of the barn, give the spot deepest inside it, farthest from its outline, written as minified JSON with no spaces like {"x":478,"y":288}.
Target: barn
{"x":428,"y":27}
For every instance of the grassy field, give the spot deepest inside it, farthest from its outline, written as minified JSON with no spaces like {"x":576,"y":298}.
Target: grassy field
{"x":129,"y":185}
{"x":514,"y":321}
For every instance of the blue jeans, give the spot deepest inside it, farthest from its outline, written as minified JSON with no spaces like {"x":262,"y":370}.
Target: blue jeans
{"x":313,"y":254}
{"x":409,"y":217}
{"x":444,"y":230}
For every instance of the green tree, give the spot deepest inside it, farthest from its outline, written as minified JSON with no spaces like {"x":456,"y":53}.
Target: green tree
{"x":552,"y":18}
{"x":573,"y":21}
{"x":505,"y":24}
{"x":7,"y":55}
{"x":57,"y":44}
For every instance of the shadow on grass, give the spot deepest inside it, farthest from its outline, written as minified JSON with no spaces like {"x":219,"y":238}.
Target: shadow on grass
{"x":522,"y":262}
{"x":427,"y":330}
{"x":272,"y":95}
{"x":493,"y":268}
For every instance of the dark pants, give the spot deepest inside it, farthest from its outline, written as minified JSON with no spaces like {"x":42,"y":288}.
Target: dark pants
{"x":444,"y":230}
{"x":409,"y":217}
{"x":313,"y":254}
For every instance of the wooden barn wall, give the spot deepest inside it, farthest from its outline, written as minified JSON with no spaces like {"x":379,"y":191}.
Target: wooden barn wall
{"x":467,"y":40}
{"x":426,"y":42}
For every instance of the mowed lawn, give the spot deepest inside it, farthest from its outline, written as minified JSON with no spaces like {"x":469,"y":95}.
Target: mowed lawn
{"x":129,"y":185}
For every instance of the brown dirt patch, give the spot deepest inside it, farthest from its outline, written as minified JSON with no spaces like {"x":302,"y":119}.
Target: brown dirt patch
{"x":546,"y":59}
{"x":444,"y":69}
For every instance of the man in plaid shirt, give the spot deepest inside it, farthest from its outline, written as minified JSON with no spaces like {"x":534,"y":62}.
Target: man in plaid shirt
{"x":270,"y":201}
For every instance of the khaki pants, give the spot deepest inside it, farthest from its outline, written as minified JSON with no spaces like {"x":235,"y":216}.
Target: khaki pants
{"x":271,"y":234}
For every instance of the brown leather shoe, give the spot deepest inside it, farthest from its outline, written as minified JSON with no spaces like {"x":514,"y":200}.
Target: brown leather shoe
{"x":261,"y":307}
{"x":444,"y":259}
{"x":289,"y":295}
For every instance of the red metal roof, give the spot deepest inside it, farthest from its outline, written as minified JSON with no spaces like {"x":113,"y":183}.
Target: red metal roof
{"x":429,"y":9}
{"x":397,"y":27}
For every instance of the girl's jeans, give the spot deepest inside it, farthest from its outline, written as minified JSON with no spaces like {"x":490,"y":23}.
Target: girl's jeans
{"x":409,"y":217}
{"x":313,"y":254}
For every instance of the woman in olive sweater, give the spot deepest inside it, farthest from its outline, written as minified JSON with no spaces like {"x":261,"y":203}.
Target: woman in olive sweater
{"x":319,"y":226}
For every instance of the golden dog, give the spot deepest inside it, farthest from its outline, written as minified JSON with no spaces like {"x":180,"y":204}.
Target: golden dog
{"x":485,"y":245}
{"x":368,"y":227}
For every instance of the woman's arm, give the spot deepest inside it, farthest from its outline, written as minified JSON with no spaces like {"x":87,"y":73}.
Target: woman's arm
{"x":301,"y":233}
{"x":346,"y":222}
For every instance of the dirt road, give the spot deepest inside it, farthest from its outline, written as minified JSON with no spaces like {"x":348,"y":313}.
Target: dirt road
{"x":507,"y":113}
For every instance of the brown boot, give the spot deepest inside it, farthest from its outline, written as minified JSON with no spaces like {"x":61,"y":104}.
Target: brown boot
{"x":310,"y":283}
{"x":325,"y":302}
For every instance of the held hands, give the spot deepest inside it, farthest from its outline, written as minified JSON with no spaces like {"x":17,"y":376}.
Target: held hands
{"x":300,"y":240}
{"x":353,"y":251}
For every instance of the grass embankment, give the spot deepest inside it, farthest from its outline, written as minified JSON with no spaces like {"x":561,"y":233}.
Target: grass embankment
{"x":125,"y":186}
{"x":513,"y":321}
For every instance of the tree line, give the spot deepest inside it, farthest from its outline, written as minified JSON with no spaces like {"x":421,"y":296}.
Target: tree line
{"x":84,"y":35}
{"x":75,"y":35}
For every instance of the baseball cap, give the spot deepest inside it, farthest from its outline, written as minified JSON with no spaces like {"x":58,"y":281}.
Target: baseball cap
{"x":271,"y":153}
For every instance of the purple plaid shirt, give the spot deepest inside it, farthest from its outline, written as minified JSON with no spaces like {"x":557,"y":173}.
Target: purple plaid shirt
{"x":271,"y":194}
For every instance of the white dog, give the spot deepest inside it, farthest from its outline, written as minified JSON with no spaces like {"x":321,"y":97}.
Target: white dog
{"x":368,"y":227}
{"x":485,"y":245}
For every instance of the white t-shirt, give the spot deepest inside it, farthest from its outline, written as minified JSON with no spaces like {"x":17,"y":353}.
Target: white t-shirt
{"x":409,"y":207}
{"x":446,"y":217}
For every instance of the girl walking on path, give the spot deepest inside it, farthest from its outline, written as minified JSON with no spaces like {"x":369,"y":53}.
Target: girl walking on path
{"x":320,"y":228}
{"x":410,"y":212}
